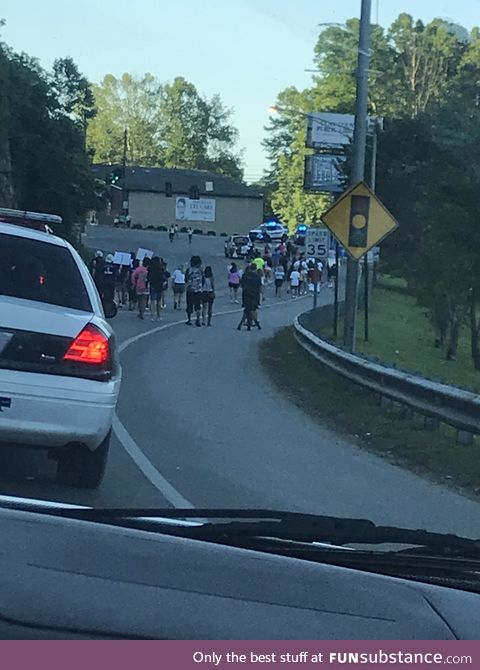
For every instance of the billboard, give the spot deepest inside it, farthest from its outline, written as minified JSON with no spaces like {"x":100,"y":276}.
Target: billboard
{"x":334,"y":131}
{"x":195,"y":210}
{"x":324,"y":174}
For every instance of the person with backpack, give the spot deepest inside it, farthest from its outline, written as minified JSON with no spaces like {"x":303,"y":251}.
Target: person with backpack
{"x":208,"y":296}
{"x":251,"y":292}
{"x":194,"y":281}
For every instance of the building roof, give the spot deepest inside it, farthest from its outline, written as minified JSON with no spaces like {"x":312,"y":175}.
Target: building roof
{"x":154,"y":180}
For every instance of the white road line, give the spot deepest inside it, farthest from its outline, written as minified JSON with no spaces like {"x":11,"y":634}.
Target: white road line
{"x":149,"y":470}
{"x":131,"y":447}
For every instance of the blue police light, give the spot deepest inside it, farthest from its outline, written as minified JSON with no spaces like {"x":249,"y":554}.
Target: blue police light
{"x":302,"y":229}
{"x":271,"y":224}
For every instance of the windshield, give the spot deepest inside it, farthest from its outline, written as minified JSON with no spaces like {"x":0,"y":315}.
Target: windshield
{"x":298,"y":328}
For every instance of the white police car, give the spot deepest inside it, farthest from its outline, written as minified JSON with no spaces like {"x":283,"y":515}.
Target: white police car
{"x":59,"y":368}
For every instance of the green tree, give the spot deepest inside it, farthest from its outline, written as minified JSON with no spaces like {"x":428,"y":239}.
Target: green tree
{"x":73,"y":92}
{"x":127,"y":103}
{"x":50,"y":168}
{"x":169,"y":125}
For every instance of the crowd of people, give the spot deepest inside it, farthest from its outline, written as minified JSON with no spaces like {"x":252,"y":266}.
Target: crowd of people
{"x":143,"y":285}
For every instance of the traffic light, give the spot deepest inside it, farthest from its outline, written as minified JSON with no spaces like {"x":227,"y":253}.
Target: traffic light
{"x":114,"y":177}
{"x":194,"y":193}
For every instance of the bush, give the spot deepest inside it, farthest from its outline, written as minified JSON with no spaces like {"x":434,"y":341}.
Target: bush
{"x":137,"y":226}
{"x":223,"y":234}
{"x":212,"y":233}
{"x":162,"y":229}
{"x":197,"y":231}
{"x":184,"y":229}
{"x":150,"y":227}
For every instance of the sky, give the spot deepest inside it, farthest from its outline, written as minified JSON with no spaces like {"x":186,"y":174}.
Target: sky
{"x":245,"y":50}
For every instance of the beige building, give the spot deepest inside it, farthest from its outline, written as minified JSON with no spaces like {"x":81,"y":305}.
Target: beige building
{"x":203,"y":200}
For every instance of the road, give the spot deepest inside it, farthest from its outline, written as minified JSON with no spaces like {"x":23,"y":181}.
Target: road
{"x":200,"y":424}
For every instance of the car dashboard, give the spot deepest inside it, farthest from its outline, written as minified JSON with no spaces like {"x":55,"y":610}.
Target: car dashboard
{"x":71,"y":579}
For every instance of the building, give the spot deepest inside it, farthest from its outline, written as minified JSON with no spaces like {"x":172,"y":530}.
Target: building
{"x":200,"y":199}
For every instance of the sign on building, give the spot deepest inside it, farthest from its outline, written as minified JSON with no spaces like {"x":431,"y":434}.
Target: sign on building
{"x":195,"y":210}
{"x":324,"y":174}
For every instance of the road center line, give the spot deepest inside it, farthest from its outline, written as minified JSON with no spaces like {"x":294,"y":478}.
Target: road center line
{"x":169,"y":492}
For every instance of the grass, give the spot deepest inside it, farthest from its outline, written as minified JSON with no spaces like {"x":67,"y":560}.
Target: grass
{"x":352,"y":410}
{"x":401,"y":334}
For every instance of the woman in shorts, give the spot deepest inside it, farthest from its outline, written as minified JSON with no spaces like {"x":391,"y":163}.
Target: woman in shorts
{"x":234,"y":282}
{"x":178,"y":285}
{"x":208,"y":296}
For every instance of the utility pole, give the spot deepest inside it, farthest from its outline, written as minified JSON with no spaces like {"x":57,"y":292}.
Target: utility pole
{"x":358,"y":168}
{"x":373,"y":186}
{"x":124,"y":175}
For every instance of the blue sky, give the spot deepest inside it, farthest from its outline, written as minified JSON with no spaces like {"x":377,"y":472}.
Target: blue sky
{"x":246,"y":50}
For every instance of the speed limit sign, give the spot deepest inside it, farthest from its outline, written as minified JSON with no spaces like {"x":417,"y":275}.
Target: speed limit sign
{"x":317,"y":243}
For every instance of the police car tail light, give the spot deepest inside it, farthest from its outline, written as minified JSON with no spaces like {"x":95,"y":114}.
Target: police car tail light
{"x":90,"y":347}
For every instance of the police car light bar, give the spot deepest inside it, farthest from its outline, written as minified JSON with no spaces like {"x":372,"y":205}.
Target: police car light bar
{"x":23,"y":215}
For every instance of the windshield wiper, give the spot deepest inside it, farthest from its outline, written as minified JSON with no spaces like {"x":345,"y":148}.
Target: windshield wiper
{"x":232,"y":526}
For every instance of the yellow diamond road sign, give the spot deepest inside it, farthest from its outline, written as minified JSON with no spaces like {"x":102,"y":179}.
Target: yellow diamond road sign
{"x":359,"y":221}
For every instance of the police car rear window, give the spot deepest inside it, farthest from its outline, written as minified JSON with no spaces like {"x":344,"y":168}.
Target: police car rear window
{"x":47,"y":273}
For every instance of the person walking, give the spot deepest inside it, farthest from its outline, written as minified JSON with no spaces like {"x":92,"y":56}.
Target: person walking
{"x":178,"y":285}
{"x":302,"y":288}
{"x":208,"y":296}
{"x":140,"y":284}
{"x":155,"y":282}
{"x":171,"y":233}
{"x":251,"y":289}
{"x":121,"y":287}
{"x":279,"y":279}
{"x":96,"y":269}
{"x":132,"y":295}
{"x":233,"y":282}
{"x":194,"y":280}
{"x":109,"y":279}
{"x":166,"y":276}
{"x":295,"y":282}
{"x":190,"y":234}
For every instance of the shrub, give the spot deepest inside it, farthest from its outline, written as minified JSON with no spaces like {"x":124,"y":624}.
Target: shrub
{"x":183,"y":229}
{"x":162,"y":229}
{"x":197,"y":231}
{"x":150,"y":227}
{"x":137,"y":226}
{"x":212,"y":233}
{"x":223,"y":234}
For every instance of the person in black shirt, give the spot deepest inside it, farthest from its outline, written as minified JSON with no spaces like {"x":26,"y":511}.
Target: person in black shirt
{"x":109,"y":278}
{"x":251,"y":294}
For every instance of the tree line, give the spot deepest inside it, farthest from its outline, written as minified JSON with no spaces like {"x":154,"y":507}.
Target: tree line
{"x":54,"y":124}
{"x":425,"y":82}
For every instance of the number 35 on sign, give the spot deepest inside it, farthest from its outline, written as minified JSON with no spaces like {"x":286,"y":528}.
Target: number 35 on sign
{"x":317,"y":243}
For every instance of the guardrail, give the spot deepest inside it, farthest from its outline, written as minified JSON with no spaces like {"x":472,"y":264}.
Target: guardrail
{"x":440,"y":402}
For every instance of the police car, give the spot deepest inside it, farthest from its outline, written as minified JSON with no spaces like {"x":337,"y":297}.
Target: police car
{"x":59,"y":368}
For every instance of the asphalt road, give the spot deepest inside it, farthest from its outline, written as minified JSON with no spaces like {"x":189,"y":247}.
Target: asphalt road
{"x":200,"y":424}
